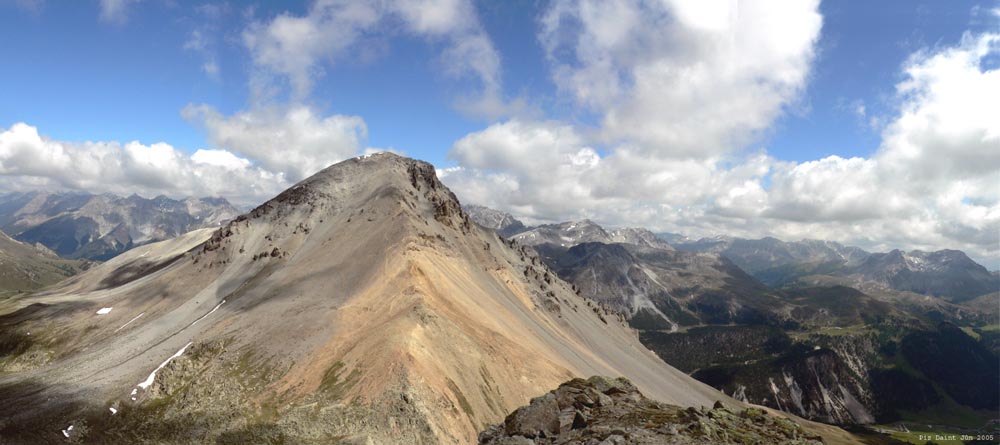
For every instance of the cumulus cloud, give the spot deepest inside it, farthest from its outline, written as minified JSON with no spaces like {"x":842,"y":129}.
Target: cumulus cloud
{"x":545,"y":171}
{"x":681,"y":78}
{"x":538,"y":168}
{"x":931,"y":184}
{"x":298,"y":47}
{"x":934,"y":178}
{"x":256,"y":154}
{"x":293,"y":141}
{"x":677,"y":86}
{"x":30,"y":161}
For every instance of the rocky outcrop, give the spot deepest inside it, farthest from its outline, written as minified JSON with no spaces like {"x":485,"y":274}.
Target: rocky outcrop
{"x":604,"y":411}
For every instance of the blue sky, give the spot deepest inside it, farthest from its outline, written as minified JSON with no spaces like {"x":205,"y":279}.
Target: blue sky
{"x":862,"y":48}
{"x":863,"y":122}
{"x":79,"y":78}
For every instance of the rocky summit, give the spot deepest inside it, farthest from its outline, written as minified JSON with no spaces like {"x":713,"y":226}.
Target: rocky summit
{"x":604,"y":411}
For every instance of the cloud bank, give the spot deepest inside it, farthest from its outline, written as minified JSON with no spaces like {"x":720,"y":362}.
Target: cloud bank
{"x":261,"y":153}
{"x":680,"y":90}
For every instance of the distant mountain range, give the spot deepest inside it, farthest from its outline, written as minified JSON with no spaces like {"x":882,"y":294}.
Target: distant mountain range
{"x":99,"y":227}
{"x":502,"y":222}
{"x":947,"y":274}
{"x":585,"y":231}
{"x":759,"y":256}
{"x":816,"y":328}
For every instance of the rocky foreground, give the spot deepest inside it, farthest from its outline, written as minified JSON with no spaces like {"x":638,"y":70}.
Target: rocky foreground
{"x":604,"y":411}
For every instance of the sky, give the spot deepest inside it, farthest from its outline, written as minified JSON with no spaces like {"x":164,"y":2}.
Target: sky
{"x":875,"y":124}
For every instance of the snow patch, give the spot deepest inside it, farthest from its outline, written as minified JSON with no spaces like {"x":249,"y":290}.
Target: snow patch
{"x":103,"y":310}
{"x":129,"y":322}
{"x":209,"y":313}
{"x":152,"y":376}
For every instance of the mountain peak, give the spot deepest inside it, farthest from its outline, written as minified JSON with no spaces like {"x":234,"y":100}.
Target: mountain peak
{"x":502,"y":222}
{"x":353,"y":182}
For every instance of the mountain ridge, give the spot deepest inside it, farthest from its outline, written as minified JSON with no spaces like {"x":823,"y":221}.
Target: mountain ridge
{"x":778,"y":263}
{"x":364,"y":290}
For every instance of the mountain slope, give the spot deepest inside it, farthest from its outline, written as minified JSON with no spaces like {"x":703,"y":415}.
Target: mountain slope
{"x":81,"y":225}
{"x":664,"y":289}
{"x":359,"y":304}
{"x":24,"y":267}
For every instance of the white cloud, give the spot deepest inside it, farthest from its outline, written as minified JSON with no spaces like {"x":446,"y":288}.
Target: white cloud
{"x":546,"y":171}
{"x":542,"y":168}
{"x":934,"y":182}
{"x":294,"y":46}
{"x":681,"y":78}
{"x":294,"y":141}
{"x":211,"y":69}
{"x":31,"y":161}
{"x":257,"y":154}
{"x":115,"y":11}
{"x":298,"y":48}
{"x":206,"y":36}
{"x":220,"y":158}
